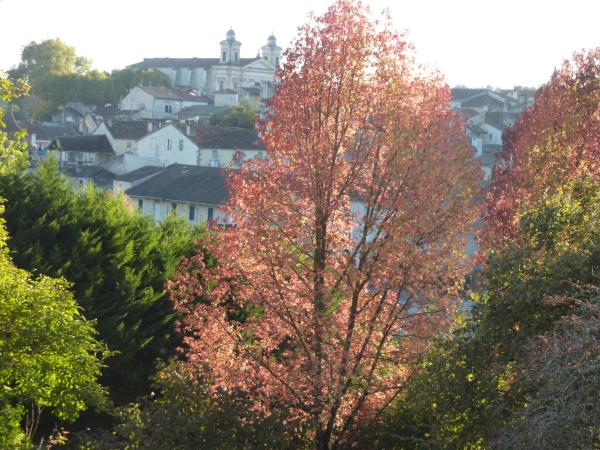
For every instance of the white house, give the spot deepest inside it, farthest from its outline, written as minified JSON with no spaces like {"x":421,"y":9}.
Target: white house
{"x":159,"y":102}
{"x":123,"y":135}
{"x":159,"y":144}
{"x":125,"y":163}
{"x":196,"y":193}
{"x":227,"y":146}
{"x":168,"y":145}
{"x":228,"y":71}
{"x":493,"y":134}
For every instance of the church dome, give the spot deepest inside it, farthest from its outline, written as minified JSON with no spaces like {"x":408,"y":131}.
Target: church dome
{"x":271,"y":40}
{"x":231,"y":35}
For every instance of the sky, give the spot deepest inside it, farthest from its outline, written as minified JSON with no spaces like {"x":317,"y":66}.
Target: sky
{"x":475,"y":43}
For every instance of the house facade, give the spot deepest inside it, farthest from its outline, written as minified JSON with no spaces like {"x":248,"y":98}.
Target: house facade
{"x":159,"y":102}
{"x":228,"y":71}
{"x":81,"y":150}
{"x":167,"y":145}
{"x":197,"y":194}
{"x":220,"y":146}
{"x":162,"y":143}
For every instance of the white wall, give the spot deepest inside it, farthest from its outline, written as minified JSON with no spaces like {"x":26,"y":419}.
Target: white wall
{"x":160,"y":209}
{"x":224,"y":157}
{"x":155,"y":146}
{"x":126,"y":163}
{"x":493,"y":135}
{"x":120,"y":146}
{"x":137,"y":99}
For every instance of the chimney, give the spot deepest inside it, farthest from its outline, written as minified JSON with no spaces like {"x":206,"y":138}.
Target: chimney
{"x":149,"y":127}
{"x":188,"y":130}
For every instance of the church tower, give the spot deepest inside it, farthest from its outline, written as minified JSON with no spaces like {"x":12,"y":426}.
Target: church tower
{"x":230,"y":49}
{"x":272,"y":52}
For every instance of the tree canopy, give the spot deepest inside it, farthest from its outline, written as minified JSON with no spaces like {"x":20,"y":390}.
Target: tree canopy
{"x":50,"y":357}
{"x":58,"y":75}
{"x":348,"y":238}
{"x":117,"y":260}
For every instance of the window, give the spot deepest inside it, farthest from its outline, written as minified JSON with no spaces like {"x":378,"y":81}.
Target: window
{"x":214,"y":162}
{"x":260,"y":155}
{"x":141,"y":106}
{"x":129,"y":144}
{"x":140,"y":204}
{"x":235,"y":57}
{"x":277,"y":61}
{"x":192,"y":214}
{"x":224,"y":57}
{"x":169,"y":109}
{"x":220,"y":85}
{"x":180,"y":145}
{"x":210,"y":213}
{"x":174,"y":208}
{"x":168,"y":144}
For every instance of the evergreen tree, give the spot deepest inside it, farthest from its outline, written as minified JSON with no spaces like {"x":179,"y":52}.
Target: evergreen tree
{"x":116,"y":259}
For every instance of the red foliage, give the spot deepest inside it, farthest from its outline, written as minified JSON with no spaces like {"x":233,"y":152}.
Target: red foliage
{"x":555,"y":141}
{"x":349,"y":237}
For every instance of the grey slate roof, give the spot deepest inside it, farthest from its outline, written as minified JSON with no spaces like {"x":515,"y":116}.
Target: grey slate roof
{"x":481,"y":100}
{"x":475,"y":129}
{"x":201,"y":110}
{"x":467,"y":113}
{"x":188,"y":63}
{"x":88,"y":171}
{"x":182,"y":183}
{"x":140,"y":173}
{"x":218,"y":137}
{"x":173,"y":94}
{"x":49,"y":130}
{"x":88,"y":144}
{"x":464,"y":93}
{"x":99,"y":175}
{"x":204,"y":63}
{"x":128,"y":129}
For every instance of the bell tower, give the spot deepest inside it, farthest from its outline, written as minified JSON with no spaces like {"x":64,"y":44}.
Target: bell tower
{"x":230,"y":49}
{"x":272,"y":52}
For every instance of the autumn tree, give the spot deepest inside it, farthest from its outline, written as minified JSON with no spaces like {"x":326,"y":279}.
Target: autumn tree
{"x":349,"y":237}
{"x":517,"y":373}
{"x":556,"y":140}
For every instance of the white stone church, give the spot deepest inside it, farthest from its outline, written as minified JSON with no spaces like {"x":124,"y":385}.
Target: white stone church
{"x":229,"y":71}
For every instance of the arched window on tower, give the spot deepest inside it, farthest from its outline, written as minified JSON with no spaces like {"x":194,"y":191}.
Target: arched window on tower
{"x":235,"y":57}
{"x":224,"y":57}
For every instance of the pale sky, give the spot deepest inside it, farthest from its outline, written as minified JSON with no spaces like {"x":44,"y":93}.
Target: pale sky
{"x":499,"y":43}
